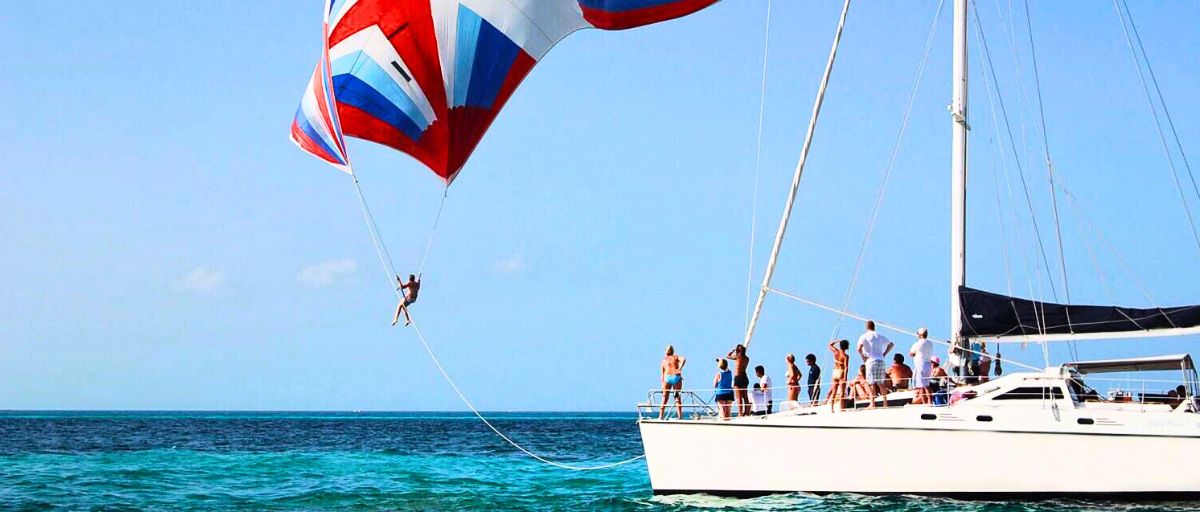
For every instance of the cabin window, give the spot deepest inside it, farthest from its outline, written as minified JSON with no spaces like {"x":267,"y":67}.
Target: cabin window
{"x":1030,"y":393}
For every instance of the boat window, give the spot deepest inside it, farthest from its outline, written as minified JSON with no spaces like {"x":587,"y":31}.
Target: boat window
{"x":1030,"y":393}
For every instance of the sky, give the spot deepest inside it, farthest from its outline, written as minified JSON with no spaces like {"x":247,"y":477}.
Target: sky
{"x":166,"y":247}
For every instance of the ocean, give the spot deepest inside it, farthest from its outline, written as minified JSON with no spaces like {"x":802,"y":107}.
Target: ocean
{"x":365,"y":461}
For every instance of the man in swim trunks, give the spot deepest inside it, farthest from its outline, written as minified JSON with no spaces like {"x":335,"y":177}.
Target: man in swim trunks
{"x":873,"y":347}
{"x":671,"y":371}
{"x":741,"y":381}
{"x":410,"y":290}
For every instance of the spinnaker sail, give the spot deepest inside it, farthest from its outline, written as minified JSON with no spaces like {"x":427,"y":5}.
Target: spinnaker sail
{"x":428,"y":77}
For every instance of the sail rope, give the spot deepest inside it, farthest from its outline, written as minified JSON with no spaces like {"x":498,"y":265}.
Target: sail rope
{"x":1157,"y":123}
{"x":777,"y":246}
{"x":1062,"y":258}
{"x":1037,"y":81}
{"x":1161,"y":99}
{"x":385,"y":258}
{"x":890,"y":327}
{"x":433,"y":231}
{"x":385,"y":261}
{"x":762,"y":103}
{"x":1012,"y":143}
{"x":989,"y":82}
{"x":887,"y":172}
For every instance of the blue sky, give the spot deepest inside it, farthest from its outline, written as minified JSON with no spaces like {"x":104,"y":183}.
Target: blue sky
{"x":166,"y":247}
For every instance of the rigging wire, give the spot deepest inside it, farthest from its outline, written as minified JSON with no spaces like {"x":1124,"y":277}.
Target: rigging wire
{"x":1037,"y":81}
{"x":887,"y":173}
{"x":1062,"y":259}
{"x":385,"y":260}
{"x":1161,"y":99}
{"x":1038,"y":312}
{"x":762,"y":103}
{"x":1157,"y":123}
{"x":1012,"y":143}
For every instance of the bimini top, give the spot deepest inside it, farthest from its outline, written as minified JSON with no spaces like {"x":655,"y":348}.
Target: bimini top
{"x":1138,"y":364}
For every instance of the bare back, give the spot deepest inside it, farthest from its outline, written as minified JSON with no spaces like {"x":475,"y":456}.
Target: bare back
{"x":671,"y":365}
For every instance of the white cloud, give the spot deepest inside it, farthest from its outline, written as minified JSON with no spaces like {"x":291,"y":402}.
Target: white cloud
{"x":201,"y":281}
{"x":510,"y":265}
{"x":326,"y":272}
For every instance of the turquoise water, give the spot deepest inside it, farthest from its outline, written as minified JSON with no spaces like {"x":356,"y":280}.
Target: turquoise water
{"x":370,"y":461}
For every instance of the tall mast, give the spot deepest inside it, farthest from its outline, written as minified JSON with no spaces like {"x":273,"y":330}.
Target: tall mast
{"x":958,"y":195}
{"x":791,"y":199}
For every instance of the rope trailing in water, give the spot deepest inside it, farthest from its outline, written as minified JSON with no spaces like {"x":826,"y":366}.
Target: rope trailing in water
{"x":385,"y":260}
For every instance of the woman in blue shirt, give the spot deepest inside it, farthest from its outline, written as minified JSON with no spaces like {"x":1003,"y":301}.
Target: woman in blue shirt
{"x":723,"y":382}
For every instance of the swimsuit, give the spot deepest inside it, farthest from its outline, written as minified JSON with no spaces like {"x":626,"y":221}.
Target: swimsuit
{"x":741,"y":381}
{"x":674,"y":380}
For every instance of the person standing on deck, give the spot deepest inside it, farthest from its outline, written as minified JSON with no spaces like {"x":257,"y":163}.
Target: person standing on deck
{"x":814,"y":379}
{"x":873,"y":347}
{"x":921,"y":352}
{"x":723,"y":387}
{"x":741,"y":381}
{"x":841,"y":365}
{"x":764,"y":383}
{"x":671,"y":371}
{"x":409,"y":290}
{"x":793,"y":378}
{"x":985,"y":362}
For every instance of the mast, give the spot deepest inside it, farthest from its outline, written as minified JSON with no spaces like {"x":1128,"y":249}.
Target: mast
{"x":791,"y":198}
{"x":958,"y":181}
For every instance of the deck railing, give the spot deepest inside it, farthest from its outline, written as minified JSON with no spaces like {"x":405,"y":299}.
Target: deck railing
{"x":698,"y":403}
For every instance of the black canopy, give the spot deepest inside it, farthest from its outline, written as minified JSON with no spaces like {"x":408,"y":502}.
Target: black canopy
{"x":991,"y":314}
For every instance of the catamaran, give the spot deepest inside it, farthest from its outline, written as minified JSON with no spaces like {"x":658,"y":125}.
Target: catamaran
{"x":428,"y":77}
{"x":1046,"y":432}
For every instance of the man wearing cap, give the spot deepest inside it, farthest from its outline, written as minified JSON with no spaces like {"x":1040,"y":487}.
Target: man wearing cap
{"x":921,"y":352}
{"x":873,"y":347}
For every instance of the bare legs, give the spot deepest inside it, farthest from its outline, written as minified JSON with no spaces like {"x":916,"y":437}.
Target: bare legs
{"x":837,"y":394}
{"x":667,"y":388}
{"x":723,"y":406}
{"x":402,"y":308}
{"x":743,"y":401}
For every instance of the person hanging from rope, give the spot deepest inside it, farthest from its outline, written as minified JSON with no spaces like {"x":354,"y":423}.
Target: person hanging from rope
{"x":409,"y":290}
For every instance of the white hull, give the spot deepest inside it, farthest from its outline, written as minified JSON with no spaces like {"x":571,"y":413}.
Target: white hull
{"x":1023,"y":451}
